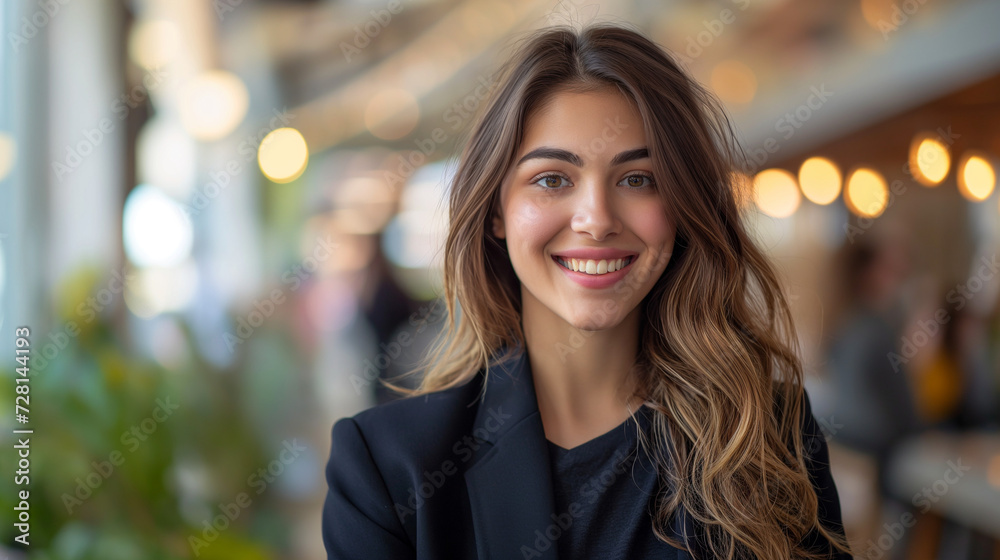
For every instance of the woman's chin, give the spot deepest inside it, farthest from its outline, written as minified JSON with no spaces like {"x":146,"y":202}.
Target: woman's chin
{"x":592,"y":323}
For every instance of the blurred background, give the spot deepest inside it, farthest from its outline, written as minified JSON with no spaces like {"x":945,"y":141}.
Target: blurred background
{"x":221,"y":223}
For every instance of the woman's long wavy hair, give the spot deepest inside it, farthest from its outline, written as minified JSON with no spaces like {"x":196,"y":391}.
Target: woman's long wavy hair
{"x":718,"y":356}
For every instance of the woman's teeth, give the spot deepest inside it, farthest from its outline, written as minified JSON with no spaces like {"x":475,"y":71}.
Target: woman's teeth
{"x":590,"y":266}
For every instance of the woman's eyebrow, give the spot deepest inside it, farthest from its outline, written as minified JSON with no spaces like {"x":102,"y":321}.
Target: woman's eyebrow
{"x":546,"y":152}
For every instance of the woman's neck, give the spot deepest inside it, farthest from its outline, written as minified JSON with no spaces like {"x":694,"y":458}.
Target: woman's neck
{"x":584,"y":380}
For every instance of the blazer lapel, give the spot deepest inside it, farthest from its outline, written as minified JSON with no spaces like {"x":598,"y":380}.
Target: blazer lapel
{"x":510,"y":482}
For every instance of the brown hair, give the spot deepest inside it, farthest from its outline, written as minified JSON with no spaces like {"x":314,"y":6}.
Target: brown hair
{"x":718,"y":360}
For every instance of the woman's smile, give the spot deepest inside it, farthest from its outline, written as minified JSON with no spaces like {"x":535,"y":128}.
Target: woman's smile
{"x":595,"y":274}
{"x":590,"y":266}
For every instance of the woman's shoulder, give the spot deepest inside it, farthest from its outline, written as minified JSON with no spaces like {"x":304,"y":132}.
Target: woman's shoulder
{"x":782,"y":389}
{"x":421,"y":412}
{"x":379,"y":456}
{"x":817,"y":462}
{"x":411,"y":429}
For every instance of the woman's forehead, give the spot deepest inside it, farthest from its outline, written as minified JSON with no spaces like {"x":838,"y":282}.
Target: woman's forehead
{"x":595,"y":126}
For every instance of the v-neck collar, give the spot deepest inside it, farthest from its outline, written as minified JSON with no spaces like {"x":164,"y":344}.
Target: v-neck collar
{"x":624,"y":430}
{"x":510,"y":477}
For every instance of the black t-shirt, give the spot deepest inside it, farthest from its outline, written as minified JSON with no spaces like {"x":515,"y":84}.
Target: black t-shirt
{"x":604,"y":491}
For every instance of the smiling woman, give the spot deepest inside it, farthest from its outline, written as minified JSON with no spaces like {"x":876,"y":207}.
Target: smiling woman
{"x":649,"y":397}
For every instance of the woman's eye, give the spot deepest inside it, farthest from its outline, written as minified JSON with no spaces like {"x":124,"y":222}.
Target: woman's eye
{"x":637,"y":181}
{"x":550,"y":181}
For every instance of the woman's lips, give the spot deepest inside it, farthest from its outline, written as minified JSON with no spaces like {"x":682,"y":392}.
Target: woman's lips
{"x":595,"y":281}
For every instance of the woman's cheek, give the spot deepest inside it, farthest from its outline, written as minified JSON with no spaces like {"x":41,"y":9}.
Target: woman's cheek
{"x":533,"y":222}
{"x":654,"y":226}
{"x":525,"y":213}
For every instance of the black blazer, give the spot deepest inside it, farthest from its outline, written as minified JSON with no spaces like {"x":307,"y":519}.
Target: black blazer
{"x":447,"y":476}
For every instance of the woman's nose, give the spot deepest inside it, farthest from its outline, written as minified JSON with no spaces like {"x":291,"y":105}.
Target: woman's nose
{"x":594,"y":212}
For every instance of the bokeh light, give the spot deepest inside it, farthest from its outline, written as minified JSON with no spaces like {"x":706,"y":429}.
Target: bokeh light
{"x":166,"y":157}
{"x":866,"y":193}
{"x":776,"y":193}
{"x":156,"y":231}
{"x":976,"y":177}
{"x":154,"y":43}
{"x":877,"y":13}
{"x":734,"y":82}
{"x":351,"y":252}
{"x":929,"y":160}
{"x":8,"y":154}
{"x":156,"y":290}
{"x":820,"y":180}
{"x":283,"y":155}
{"x":213,"y":104}
{"x":392,"y":114}
{"x":363,"y":205}
{"x":414,"y":237}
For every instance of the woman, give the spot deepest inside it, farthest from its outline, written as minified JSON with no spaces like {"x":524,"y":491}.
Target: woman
{"x":648,"y":401}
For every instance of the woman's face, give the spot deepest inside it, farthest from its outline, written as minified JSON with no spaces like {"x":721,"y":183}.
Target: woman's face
{"x":581,"y":190}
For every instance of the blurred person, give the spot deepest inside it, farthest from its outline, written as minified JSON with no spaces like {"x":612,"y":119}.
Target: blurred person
{"x":936,"y":373}
{"x":938,"y":381}
{"x":952,"y":377}
{"x":980,"y":334}
{"x":386,"y":306}
{"x":875,"y":402}
{"x":619,"y":376}
{"x":976,"y":348}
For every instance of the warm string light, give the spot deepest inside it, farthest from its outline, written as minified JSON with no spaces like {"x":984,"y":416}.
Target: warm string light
{"x":283,"y":155}
{"x":820,"y":181}
{"x":976,"y":176}
{"x":929,"y":159}
{"x":776,"y":193}
{"x":865,"y":191}
{"x":213,"y":104}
